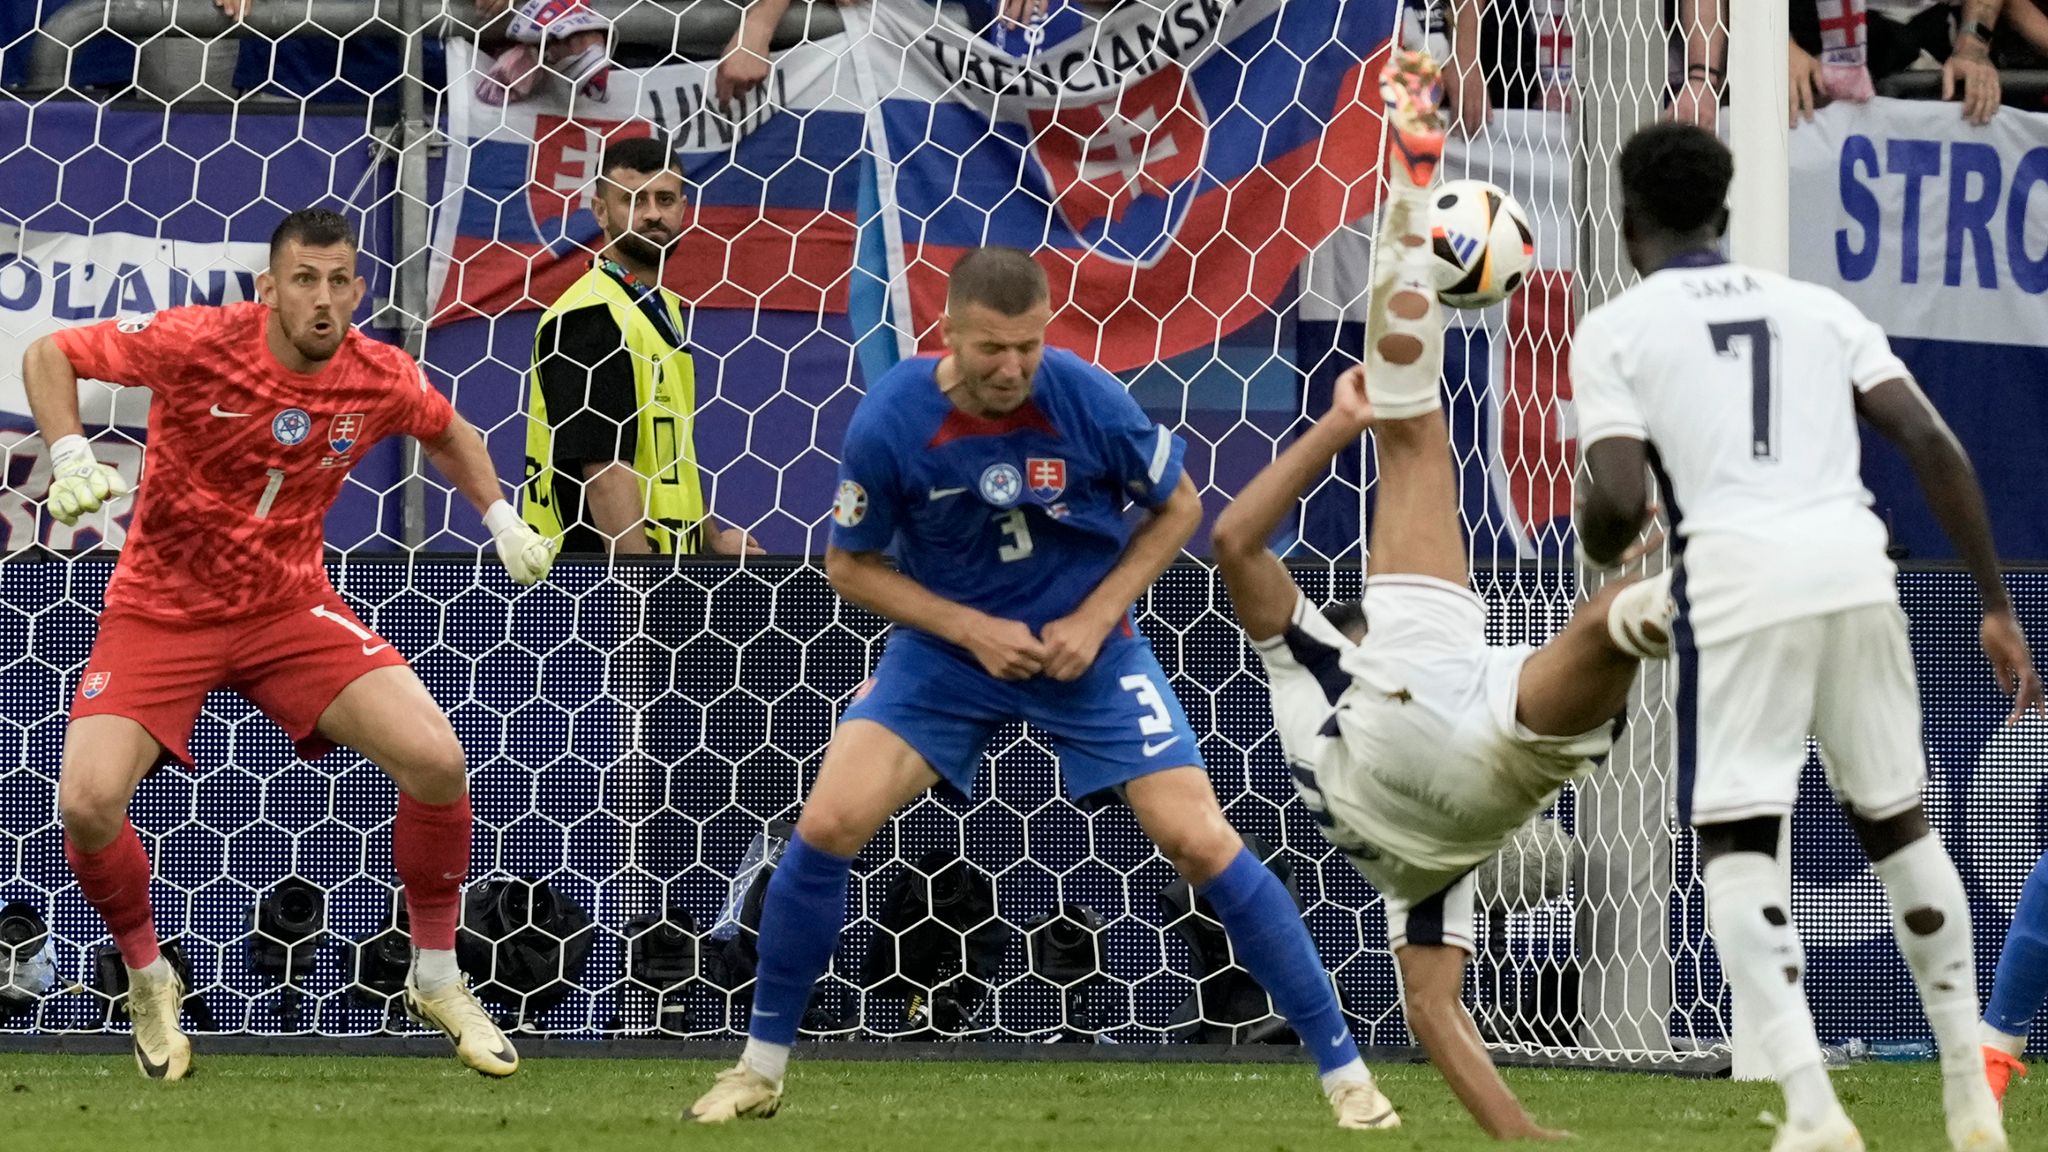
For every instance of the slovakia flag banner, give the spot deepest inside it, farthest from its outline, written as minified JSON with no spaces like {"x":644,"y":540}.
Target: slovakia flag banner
{"x":772,"y":181}
{"x":1170,"y":166}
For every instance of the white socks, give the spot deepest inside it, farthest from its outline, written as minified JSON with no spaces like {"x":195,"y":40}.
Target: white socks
{"x":1761,"y":955}
{"x":770,"y":1061}
{"x":159,"y":970}
{"x":1639,"y":618}
{"x":1404,"y":335}
{"x":1353,"y":1073}
{"x":2006,"y":1042}
{"x":434,"y":968}
{"x":1931,"y":917}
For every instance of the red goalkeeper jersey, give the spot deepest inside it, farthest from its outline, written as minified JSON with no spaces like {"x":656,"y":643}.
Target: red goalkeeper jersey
{"x":245,"y":456}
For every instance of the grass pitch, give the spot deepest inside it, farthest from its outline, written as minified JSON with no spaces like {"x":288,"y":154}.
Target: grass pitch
{"x":367,"y":1104}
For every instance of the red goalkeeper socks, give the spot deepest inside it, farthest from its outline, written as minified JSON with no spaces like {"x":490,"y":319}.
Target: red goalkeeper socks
{"x":430,"y":846}
{"x":115,"y":881}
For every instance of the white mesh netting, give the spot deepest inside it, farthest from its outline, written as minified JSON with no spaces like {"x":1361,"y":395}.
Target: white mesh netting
{"x":1198,"y":178}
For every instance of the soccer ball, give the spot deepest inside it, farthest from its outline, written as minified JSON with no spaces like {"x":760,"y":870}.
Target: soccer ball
{"x":1483,"y":245}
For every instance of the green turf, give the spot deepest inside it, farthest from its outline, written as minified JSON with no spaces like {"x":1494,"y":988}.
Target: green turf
{"x":367,"y":1104}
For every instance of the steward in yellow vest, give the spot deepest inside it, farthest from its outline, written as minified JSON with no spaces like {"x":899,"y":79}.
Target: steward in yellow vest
{"x":612,"y":398}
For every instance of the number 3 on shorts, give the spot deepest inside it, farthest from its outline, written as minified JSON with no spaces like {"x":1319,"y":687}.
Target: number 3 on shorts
{"x":1159,"y":722}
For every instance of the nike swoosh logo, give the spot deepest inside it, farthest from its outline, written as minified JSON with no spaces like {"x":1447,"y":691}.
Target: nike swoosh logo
{"x":369,"y":651}
{"x":224,"y":414}
{"x":154,"y":1069}
{"x":1337,"y":1041}
{"x":1152,"y":749}
{"x":942,"y":493}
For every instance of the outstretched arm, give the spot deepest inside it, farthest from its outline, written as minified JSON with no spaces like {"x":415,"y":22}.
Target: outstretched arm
{"x":461,"y":458}
{"x":1432,"y":982}
{"x":1901,"y":414}
{"x":1261,"y":590}
{"x":459,"y":455}
{"x":1072,"y":641}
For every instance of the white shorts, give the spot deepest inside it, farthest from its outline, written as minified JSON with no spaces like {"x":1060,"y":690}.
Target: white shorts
{"x":1425,"y":772}
{"x":1747,"y":705}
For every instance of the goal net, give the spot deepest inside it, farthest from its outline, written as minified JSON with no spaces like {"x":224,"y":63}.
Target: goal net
{"x":1198,"y":178}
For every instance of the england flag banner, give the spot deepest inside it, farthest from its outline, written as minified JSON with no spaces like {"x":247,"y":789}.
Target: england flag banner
{"x":1170,"y":166}
{"x":772,"y":181}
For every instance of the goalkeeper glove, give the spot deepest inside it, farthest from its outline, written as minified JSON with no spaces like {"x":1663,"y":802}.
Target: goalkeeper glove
{"x":78,"y":483}
{"x":527,"y":554}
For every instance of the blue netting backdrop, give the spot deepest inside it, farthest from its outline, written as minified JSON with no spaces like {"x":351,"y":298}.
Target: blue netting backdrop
{"x":632,"y":732}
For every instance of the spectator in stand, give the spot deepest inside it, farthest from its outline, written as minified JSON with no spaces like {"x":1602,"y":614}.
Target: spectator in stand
{"x":563,"y":37}
{"x":558,"y":38}
{"x":748,"y":57}
{"x":2024,"y":40}
{"x":105,"y":61}
{"x":1701,"y":34}
{"x":1021,"y":27}
{"x":1456,"y":32}
{"x":1840,"y":48}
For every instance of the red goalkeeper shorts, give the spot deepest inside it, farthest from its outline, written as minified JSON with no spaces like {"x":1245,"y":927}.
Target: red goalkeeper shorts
{"x":290,"y":663}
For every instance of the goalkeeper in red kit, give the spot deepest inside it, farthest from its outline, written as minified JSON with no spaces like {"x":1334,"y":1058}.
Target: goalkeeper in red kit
{"x":260,"y":409}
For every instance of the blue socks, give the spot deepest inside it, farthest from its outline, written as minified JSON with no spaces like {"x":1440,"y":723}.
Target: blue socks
{"x":1273,"y":944}
{"x":801,"y":916}
{"x":2022,"y":981}
{"x":805,"y":908}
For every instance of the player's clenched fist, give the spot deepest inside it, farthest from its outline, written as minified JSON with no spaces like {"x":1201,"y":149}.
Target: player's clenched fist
{"x":1349,"y":400}
{"x":78,"y":483}
{"x":527,"y":554}
{"x":1007,"y":649}
{"x":1072,"y":643}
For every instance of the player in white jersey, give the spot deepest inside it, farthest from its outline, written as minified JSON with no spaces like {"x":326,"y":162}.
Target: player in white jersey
{"x":1420,"y":749}
{"x":1741,"y":389}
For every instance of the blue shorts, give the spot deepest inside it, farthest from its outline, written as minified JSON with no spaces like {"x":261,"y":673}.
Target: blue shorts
{"x":1118,"y":722}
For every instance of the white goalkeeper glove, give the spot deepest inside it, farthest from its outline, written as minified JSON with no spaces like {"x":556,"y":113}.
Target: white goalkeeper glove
{"x":78,"y":483}
{"x":527,"y":554}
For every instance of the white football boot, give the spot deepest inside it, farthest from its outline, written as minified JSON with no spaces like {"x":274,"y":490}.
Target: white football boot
{"x":739,"y":1092}
{"x":453,"y":1009}
{"x":162,"y":1050}
{"x":1361,"y":1104}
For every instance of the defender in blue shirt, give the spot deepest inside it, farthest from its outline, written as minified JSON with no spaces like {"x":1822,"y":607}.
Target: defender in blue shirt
{"x":1003,"y":475}
{"x":1016,"y":520}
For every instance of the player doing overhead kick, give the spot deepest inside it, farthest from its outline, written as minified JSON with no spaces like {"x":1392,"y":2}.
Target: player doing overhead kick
{"x":1419,"y":748}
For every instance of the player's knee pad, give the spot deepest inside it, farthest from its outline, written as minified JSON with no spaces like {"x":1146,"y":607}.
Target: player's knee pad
{"x":1639,"y":619}
{"x":1404,"y":336}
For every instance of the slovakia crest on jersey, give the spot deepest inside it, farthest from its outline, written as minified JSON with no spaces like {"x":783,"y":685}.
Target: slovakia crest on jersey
{"x":291,"y":426}
{"x":343,"y":431}
{"x":1046,"y":476}
{"x":95,"y":684}
{"x":1001,"y":485}
{"x":1122,"y":172}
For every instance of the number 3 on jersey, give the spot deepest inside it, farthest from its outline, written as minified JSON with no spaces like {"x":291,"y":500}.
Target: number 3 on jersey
{"x":1016,"y":534}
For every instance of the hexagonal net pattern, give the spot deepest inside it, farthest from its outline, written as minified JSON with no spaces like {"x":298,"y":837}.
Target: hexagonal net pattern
{"x":1198,"y":179}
